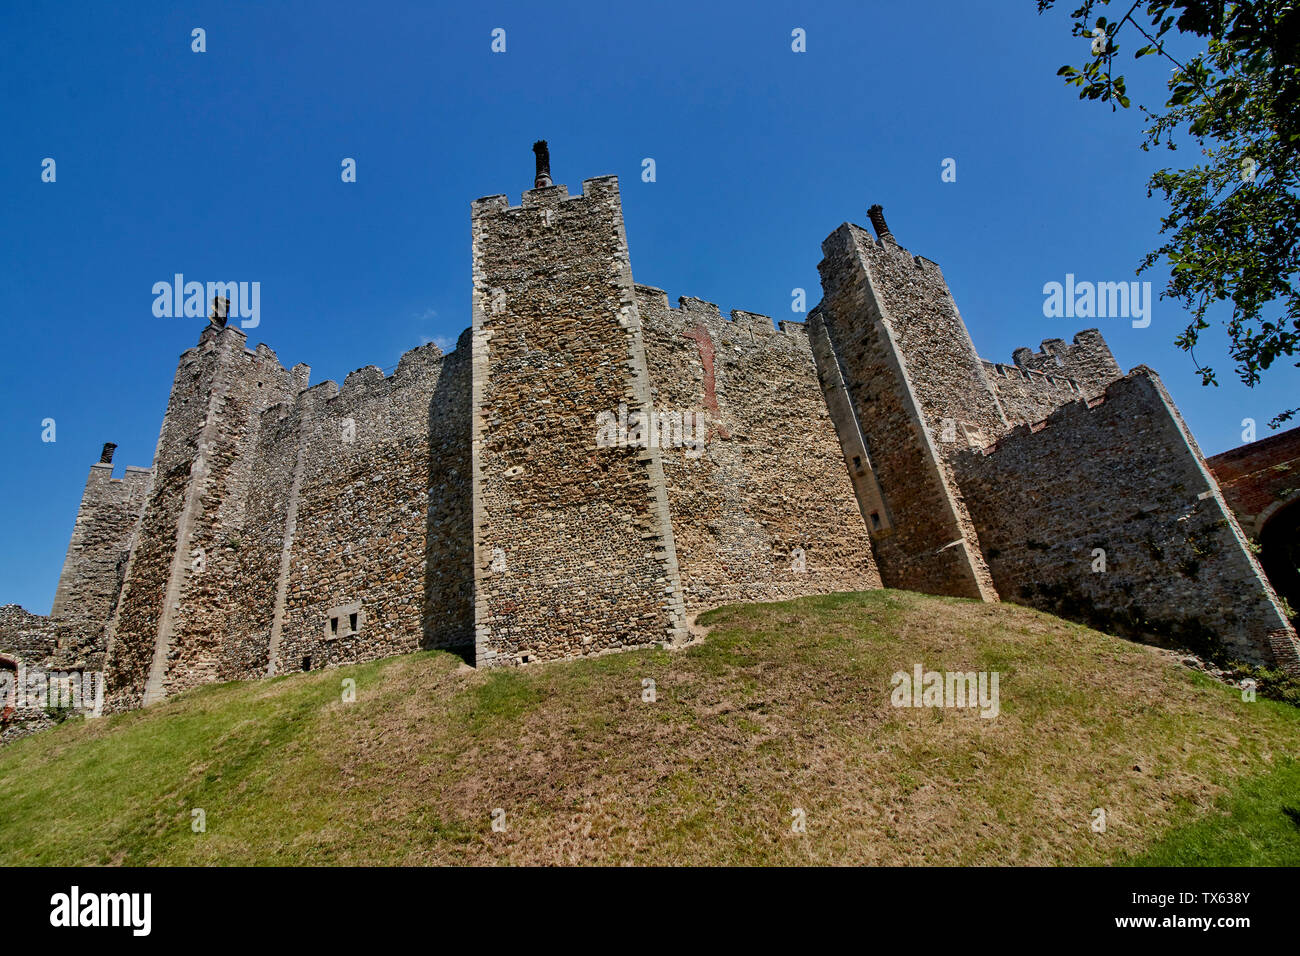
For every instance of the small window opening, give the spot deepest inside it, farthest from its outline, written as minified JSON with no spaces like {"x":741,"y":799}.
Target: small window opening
{"x":875,"y":521}
{"x":306,"y":663}
{"x":352,"y":623}
{"x":857,"y":462}
{"x":334,"y":625}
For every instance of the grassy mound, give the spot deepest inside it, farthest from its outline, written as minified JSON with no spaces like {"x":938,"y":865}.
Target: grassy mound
{"x":785,"y":707}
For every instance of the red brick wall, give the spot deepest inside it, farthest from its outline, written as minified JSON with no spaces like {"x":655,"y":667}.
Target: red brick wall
{"x":1257,"y":476}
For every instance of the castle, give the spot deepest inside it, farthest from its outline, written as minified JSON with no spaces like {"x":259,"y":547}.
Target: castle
{"x":466,"y":502}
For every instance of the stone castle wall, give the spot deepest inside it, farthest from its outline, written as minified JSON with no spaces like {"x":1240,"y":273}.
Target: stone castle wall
{"x":363,"y":514}
{"x":472,"y":501}
{"x":574,"y":551}
{"x":890,"y":323}
{"x":1118,"y":480}
{"x":101,"y":542}
{"x":29,"y":636}
{"x":1087,"y":361}
{"x":766,"y":509}
{"x":1029,"y":396}
{"x":1041,"y":382}
{"x":169,"y":628}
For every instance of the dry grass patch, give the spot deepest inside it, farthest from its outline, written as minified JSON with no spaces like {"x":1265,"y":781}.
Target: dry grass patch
{"x":784,"y":706}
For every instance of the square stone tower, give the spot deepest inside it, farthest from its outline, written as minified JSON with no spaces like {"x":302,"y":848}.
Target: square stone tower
{"x":918,"y":393}
{"x":573,"y":545}
{"x":169,"y":625}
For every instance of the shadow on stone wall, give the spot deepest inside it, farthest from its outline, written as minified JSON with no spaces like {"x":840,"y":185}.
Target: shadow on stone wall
{"x":449,"y":530}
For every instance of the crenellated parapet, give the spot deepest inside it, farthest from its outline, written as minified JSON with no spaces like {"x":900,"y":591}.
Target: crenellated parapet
{"x":738,"y":328}
{"x":1087,"y":361}
{"x":1042,"y":381}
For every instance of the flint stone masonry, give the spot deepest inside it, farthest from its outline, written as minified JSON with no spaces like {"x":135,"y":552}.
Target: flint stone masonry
{"x":467,"y":501}
{"x":1087,"y":362}
{"x":362,"y":493}
{"x":903,"y":354}
{"x":1118,"y":480}
{"x":39,"y":642}
{"x":95,"y":564}
{"x":169,"y":627}
{"x":767,"y":511}
{"x":26,"y":635}
{"x":573,"y":548}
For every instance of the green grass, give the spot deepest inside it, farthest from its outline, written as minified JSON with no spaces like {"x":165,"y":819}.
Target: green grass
{"x":784,"y":706}
{"x":1256,"y":824}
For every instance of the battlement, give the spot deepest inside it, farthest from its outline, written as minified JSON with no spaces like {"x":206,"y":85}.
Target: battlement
{"x":1088,"y":362}
{"x":1040,"y":382}
{"x":1067,"y":414}
{"x":362,"y":385}
{"x":886,"y":247}
{"x":598,"y":187}
{"x":1045,"y":379}
{"x":752,"y":328}
{"x":134,"y":474}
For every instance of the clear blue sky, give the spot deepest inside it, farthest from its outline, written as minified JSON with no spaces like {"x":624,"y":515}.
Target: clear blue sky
{"x":225,"y":165}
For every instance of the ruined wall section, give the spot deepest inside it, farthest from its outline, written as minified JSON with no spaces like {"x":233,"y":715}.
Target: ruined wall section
{"x":901,"y":351}
{"x":765,"y":509}
{"x":169,"y":627}
{"x":95,"y":565}
{"x":574,"y":549}
{"x":1119,"y":475}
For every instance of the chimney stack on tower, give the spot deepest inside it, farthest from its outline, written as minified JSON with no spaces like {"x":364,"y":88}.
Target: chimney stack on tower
{"x":543,"y":154}
{"x":877,"y":214}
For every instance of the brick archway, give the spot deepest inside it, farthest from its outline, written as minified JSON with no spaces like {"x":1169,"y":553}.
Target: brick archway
{"x":1261,"y":483}
{"x":1279,"y":540}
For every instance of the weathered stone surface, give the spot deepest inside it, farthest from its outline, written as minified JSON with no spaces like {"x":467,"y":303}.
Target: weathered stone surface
{"x":1106,"y":512}
{"x":574,"y":552}
{"x":767,"y":511}
{"x":469,"y":501}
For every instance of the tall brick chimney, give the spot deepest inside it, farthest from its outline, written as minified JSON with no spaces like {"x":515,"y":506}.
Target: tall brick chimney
{"x":543,"y":154}
{"x":106,"y":456}
{"x":877,"y":214}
